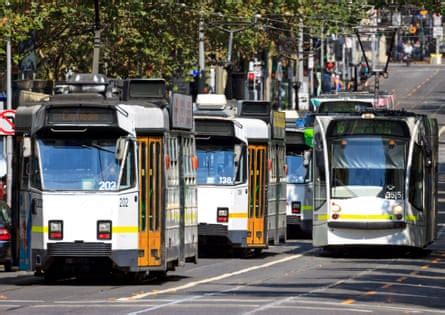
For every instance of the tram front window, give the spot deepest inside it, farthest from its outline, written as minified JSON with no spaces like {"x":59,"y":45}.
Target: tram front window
{"x":367,"y":167}
{"x":81,"y":164}
{"x":297,"y":172}
{"x":217,"y":165}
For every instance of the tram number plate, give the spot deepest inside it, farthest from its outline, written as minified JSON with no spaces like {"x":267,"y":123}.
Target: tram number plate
{"x":225,"y":180}
{"x":123,"y":202}
{"x":107,"y":185}
{"x":393,"y":195}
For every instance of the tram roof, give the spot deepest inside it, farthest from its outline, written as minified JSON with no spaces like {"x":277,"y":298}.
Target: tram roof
{"x":255,"y":129}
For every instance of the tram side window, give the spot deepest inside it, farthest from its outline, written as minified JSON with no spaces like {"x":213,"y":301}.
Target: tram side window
{"x":240,"y":167}
{"x":35,"y":172}
{"x":128,"y":172}
{"x":319,"y":173}
{"x":416,"y":178}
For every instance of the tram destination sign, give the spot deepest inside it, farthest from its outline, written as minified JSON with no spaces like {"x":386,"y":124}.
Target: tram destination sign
{"x":182,"y":112}
{"x":278,"y":125}
{"x":80,"y":115}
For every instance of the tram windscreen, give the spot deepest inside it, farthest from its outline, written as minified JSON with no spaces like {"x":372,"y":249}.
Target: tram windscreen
{"x":79,"y":164}
{"x":218,"y":164}
{"x":372,"y":166}
{"x":297,"y":172}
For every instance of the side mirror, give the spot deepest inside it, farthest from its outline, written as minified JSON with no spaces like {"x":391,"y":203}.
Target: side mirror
{"x":27,"y":147}
{"x":307,"y":158}
{"x":120,"y":148}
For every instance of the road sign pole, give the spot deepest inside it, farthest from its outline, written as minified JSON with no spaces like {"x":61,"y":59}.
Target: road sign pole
{"x":8,"y":138}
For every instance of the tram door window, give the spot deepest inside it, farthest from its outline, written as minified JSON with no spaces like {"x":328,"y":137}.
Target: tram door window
{"x":319,"y":173}
{"x":257,"y":194}
{"x":416,"y":186}
{"x":150,"y":200}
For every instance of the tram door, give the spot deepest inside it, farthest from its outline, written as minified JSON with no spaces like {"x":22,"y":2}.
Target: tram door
{"x":150,"y":200}
{"x":257,"y":195}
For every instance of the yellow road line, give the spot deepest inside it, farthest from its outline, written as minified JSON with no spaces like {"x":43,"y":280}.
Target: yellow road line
{"x":348,"y":301}
{"x":425,"y":267}
{"x":386,"y":286}
{"x":371,"y":293}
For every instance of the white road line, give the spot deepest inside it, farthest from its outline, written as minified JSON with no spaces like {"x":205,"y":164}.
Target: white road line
{"x":22,"y":301}
{"x":153,"y":308}
{"x":217,"y":278}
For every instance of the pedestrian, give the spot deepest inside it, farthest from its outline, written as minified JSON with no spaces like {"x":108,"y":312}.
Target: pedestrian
{"x":327,"y":85}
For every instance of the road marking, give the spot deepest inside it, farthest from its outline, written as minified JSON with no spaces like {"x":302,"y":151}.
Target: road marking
{"x":217,"y":278}
{"x":21,"y":301}
{"x":386,"y":286}
{"x":436,"y":261}
{"x":413,"y":273}
{"x":425,"y":267}
{"x":153,"y":308}
{"x":370,"y":293}
{"x":401,"y":279}
{"x":348,"y":301}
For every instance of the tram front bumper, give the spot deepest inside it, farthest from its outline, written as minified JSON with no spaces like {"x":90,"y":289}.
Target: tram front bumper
{"x":367,"y":225}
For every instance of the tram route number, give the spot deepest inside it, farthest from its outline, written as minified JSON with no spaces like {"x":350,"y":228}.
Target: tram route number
{"x":123,"y":202}
{"x":393,"y":195}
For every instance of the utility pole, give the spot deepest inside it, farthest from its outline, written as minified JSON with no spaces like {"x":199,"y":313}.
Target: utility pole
{"x":97,"y":32}
{"x":9,"y":147}
{"x":201,"y":61}
{"x":300,"y":66}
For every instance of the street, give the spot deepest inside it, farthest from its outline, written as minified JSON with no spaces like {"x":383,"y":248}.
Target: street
{"x":293,"y":278}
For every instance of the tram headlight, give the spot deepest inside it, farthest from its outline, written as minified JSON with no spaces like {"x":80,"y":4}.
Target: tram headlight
{"x":104,"y":230}
{"x":55,"y":230}
{"x":398,"y":211}
{"x":335,"y":207}
{"x":222,"y":215}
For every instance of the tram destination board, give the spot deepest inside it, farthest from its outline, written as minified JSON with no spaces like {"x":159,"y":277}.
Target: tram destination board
{"x":182,"y":112}
{"x":278,"y":125}
{"x":354,"y":127}
{"x":82,"y":116}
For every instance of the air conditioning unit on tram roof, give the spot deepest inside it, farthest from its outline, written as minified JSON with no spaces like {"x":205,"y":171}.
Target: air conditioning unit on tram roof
{"x":211,"y":102}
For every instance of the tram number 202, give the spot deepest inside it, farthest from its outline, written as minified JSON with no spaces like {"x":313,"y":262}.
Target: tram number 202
{"x":123,"y":202}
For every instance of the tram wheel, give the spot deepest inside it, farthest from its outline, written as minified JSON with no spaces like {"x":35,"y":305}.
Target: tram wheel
{"x":258,"y":252}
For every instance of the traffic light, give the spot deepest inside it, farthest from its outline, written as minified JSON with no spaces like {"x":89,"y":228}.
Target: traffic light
{"x":251,"y":79}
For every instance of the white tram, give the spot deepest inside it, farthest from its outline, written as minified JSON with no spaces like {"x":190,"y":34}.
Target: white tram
{"x":222,"y":175}
{"x":299,"y":206}
{"x":375,"y":179}
{"x":265,"y":133}
{"x":107,"y":183}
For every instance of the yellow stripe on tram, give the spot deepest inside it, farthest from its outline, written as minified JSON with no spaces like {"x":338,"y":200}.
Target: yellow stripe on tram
{"x":238,"y":215}
{"x":39,"y":229}
{"x":410,"y":218}
{"x":366,"y":216}
{"x":322,"y":217}
{"x":307,"y":208}
{"x":125,"y":229}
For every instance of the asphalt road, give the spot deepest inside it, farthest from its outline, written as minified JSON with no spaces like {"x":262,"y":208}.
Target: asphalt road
{"x":289,"y":279}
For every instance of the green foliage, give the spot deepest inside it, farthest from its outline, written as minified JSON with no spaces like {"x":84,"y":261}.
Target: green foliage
{"x":160,"y":38}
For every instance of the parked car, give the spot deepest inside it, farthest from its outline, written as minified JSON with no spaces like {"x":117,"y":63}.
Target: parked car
{"x":5,"y":237}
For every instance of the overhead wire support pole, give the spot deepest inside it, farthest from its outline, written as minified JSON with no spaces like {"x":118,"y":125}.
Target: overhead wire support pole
{"x":97,"y":33}
{"x":9,"y":147}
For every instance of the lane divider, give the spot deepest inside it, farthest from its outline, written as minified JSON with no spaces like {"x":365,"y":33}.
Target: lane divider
{"x":217,"y":278}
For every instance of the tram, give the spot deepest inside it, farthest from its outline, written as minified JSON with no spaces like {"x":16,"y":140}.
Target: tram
{"x":107,"y":181}
{"x":299,"y":179}
{"x":265,"y":132}
{"x":375,"y":179}
{"x":222,"y":180}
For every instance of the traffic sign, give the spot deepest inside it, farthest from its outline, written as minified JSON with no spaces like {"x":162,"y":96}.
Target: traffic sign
{"x":7,"y":125}
{"x":437,"y":31}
